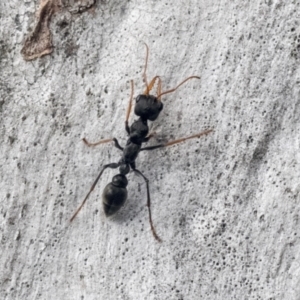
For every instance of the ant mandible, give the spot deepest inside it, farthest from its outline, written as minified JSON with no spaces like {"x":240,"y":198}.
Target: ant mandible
{"x":147,"y":107}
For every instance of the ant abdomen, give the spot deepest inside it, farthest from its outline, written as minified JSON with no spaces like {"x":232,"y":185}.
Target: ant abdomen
{"x":114,"y":194}
{"x":148,"y":107}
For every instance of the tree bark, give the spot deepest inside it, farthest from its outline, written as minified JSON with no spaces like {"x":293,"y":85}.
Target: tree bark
{"x":226,"y":205}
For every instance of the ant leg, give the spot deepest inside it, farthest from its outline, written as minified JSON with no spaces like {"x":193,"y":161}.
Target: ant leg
{"x":148,"y":202}
{"x":146,"y":64}
{"x":97,"y":143}
{"x":117,"y":145}
{"x":113,"y":166}
{"x":129,"y":108}
{"x":189,"y":137}
{"x":178,"y":141}
{"x":176,"y":87}
{"x":149,"y":136}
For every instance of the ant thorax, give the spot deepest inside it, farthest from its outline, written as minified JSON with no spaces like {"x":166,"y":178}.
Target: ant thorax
{"x":138,"y":131}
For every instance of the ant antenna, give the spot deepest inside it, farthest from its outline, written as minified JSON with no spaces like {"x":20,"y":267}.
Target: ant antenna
{"x":159,"y":88}
{"x":152,"y":82}
{"x":150,"y":86}
{"x":175,"y":88}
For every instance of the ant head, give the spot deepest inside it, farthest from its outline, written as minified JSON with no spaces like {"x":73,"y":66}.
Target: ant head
{"x":148,"y":107}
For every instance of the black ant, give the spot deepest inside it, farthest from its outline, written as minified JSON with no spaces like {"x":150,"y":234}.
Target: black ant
{"x":147,"y":107}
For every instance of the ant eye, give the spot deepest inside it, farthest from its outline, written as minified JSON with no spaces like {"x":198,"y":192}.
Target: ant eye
{"x":138,"y":98}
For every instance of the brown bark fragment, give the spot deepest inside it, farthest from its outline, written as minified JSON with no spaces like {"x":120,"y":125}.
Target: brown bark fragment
{"x":39,"y":42}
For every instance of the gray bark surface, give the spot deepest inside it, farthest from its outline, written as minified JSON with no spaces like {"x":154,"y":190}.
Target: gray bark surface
{"x":226,"y":205}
